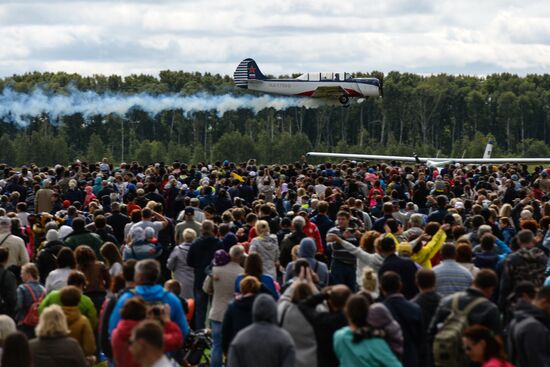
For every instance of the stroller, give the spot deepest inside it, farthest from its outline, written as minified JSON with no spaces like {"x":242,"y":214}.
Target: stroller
{"x":196,"y":352}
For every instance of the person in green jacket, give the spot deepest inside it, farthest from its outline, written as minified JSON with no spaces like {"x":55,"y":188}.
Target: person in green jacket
{"x":81,"y":236}
{"x":86,"y":305}
{"x":359,"y":344}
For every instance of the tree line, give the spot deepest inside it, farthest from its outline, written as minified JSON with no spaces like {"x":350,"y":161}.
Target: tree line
{"x":440,"y":114}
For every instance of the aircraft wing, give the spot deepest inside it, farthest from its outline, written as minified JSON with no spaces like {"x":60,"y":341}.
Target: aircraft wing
{"x":430,"y":160}
{"x":499,"y":160}
{"x":329,"y":92}
{"x":366,"y":156}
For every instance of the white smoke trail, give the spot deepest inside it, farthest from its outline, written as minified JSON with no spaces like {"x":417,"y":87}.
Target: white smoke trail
{"x":18,"y":107}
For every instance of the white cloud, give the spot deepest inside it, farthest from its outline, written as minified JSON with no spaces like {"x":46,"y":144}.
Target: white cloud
{"x":286,"y":36}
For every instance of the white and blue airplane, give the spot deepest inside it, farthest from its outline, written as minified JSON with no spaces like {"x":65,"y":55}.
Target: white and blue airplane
{"x":434,"y":162}
{"x":329,"y":86}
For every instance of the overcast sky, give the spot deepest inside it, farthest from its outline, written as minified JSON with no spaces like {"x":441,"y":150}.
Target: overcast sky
{"x":284,"y":36}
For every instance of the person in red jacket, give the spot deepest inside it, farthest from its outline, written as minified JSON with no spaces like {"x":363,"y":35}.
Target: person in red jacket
{"x":132,"y":313}
{"x":312,"y":231}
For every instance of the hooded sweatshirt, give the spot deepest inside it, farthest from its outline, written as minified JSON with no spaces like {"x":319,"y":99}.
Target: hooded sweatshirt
{"x":307,"y":251}
{"x":529,"y":337}
{"x":268,"y":249}
{"x":276,"y":348}
{"x":152,"y":293}
{"x":237,"y":316}
{"x":380,"y":317}
{"x":80,"y":329}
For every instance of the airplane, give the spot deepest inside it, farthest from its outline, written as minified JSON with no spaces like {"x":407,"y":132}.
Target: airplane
{"x":329,"y":86}
{"x":435,"y":162}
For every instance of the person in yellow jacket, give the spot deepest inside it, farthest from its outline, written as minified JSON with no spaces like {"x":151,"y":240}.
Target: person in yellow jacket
{"x":430,"y":249}
{"x":79,"y":325}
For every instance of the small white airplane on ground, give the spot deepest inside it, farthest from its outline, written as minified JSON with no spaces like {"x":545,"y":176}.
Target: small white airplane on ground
{"x":435,"y":162}
{"x":339,"y":86}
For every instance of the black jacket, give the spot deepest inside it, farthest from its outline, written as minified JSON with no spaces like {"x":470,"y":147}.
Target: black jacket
{"x":406,"y":269}
{"x":46,"y":261}
{"x":200,"y":255}
{"x":428,"y":303}
{"x":409,"y":317}
{"x":118,"y":221}
{"x":529,"y":336}
{"x":8,"y":292}
{"x":325,"y":324}
{"x":237,"y":316}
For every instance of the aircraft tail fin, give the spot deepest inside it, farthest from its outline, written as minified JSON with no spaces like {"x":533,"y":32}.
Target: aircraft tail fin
{"x":488,"y":150}
{"x":247,"y":70}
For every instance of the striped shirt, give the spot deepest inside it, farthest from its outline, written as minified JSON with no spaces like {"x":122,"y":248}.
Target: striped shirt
{"x":451,"y":277}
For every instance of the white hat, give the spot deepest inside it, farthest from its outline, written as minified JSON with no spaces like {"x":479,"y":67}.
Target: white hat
{"x":252,"y":174}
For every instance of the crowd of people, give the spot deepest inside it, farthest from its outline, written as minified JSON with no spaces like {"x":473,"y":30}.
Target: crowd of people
{"x":348,"y":264}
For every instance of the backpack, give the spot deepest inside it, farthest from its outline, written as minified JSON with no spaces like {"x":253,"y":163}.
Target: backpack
{"x":532,"y":266}
{"x":31,"y":317}
{"x":447,"y":346}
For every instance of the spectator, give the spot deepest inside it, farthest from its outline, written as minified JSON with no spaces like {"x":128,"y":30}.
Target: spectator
{"x":450,"y":276}
{"x":97,"y":275}
{"x":307,"y":252}
{"x":239,"y":312}
{"x":409,"y":317}
{"x":220,"y":285}
{"x":275,"y":350}
{"x":428,"y":299}
{"x":86,"y":306}
{"x":117,"y":221}
{"x":8,"y":286}
{"x":253,"y":266}
{"x":265,"y":244}
{"x":79,"y":326}
{"x":142,"y":245}
{"x":200,"y":256}
{"x":7,"y":327}
{"x":53,"y":346}
{"x":188,"y":222}
{"x":29,"y":296}
{"x":402,"y":266}
{"x":147,"y":345}
{"x":529,"y":336}
{"x":81,"y":236}
{"x":147,"y":274}
{"x":17,"y":253}
{"x":292,"y":239}
{"x":343,"y":266}
{"x":16,"y":351}
{"x":359,"y":345}
{"x":66,"y":263}
{"x":113,"y":259}
{"x":177,"y":263}
{"x":483,"y":347}
{"x":46,"y":258}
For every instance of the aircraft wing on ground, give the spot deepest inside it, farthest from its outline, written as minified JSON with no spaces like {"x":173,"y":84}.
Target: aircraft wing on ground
{"x":430,"y":161}
{"x":329,"y":92}
{"x":365,"y":156}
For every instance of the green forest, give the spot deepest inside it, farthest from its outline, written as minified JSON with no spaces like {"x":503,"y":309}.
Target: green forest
{"x":439,"y":114}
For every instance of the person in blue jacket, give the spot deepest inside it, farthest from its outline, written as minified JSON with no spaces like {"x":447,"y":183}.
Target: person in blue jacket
{"x":146,"y":275}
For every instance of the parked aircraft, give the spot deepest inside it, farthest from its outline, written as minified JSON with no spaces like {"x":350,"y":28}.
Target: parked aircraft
{"x":434,"y":162}
{"x":330,"y":86}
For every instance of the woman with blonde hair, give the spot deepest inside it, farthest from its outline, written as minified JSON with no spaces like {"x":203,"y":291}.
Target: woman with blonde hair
{"x":53,"y":346}
{"x":266,"y":245}
{"x":369,"y":282}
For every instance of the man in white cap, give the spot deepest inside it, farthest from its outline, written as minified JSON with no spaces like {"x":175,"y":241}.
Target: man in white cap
{"x":18,"y":255}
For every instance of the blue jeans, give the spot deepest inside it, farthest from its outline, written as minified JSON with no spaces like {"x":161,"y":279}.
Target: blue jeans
{"x":201,"y":305}
{"x":344,"y":274}
{"x":217,"y":353}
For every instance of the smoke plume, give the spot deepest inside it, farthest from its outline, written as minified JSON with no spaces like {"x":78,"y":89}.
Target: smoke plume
{"x":19,"y":107}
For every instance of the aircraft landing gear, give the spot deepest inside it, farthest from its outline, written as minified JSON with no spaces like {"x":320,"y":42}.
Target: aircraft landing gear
{"x":343,"y":99}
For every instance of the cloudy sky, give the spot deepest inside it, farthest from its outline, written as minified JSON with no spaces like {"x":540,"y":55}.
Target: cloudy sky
{"x":284,"y":36}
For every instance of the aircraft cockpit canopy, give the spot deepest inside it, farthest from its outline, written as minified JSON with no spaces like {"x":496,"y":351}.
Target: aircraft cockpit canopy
{"x":315,"y":77}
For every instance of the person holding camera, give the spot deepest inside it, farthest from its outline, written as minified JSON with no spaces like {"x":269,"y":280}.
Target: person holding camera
{"x":134,"y":311}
